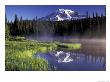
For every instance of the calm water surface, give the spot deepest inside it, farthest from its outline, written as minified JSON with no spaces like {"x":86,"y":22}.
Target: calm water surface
{"x":70,"y":61}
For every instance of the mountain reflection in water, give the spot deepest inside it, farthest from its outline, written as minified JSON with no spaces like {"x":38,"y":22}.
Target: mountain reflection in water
{"x":70,"y":61}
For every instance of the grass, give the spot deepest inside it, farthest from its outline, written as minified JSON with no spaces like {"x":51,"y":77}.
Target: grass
{"x":73,"y":46}
{"x":70,"y":46}
{"x":19,"y":54}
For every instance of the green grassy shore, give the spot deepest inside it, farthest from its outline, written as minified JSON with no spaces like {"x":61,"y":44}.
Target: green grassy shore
{"x":19,"y":53}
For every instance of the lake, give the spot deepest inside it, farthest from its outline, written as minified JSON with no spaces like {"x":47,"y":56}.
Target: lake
{"x":67,"y":61}
{"x":91,"y":56}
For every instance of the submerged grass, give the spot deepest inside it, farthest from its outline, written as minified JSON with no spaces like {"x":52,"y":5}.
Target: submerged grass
{"x":19,"y":54}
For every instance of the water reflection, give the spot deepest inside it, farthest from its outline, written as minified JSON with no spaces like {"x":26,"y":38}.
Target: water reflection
{"x":70,"y":61}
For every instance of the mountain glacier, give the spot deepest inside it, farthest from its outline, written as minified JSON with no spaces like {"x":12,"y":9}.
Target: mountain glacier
{"x":63,"y":14}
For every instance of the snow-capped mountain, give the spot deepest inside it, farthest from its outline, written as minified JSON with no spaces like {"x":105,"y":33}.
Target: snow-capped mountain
{"x":63,"y":14}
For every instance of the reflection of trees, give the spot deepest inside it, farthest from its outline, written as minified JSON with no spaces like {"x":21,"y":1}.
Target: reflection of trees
{"x":94,"y":59}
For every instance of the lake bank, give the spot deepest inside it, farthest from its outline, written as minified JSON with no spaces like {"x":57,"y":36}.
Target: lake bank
{"x":87,"y":53}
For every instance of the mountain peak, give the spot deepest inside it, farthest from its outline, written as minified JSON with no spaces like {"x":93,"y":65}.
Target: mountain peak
{"x":63,"y":14}
{"x":64,"y":11}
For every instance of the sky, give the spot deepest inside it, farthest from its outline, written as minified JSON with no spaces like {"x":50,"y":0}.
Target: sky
{"x":31,"y":11}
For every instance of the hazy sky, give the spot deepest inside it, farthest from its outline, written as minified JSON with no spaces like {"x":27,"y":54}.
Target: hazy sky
{"x":31,"y":11}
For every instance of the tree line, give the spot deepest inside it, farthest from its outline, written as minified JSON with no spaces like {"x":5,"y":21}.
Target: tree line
{"x":94,"y":26}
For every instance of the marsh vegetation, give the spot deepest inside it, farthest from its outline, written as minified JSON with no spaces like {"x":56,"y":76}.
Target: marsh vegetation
{"x":20,"y":53}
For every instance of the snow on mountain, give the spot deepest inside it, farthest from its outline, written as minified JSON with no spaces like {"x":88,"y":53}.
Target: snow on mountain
{"x":63,"y":14}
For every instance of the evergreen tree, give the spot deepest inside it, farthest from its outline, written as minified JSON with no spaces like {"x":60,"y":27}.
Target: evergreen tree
{"x":7,"y":29}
